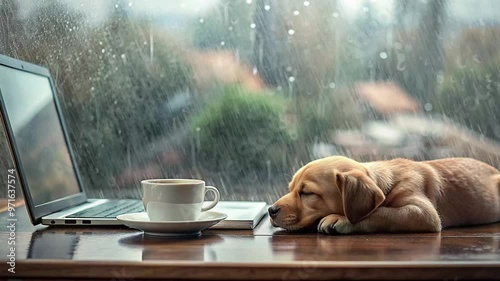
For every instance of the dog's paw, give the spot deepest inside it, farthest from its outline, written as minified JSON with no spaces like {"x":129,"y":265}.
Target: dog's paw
{"x":332,"y":224}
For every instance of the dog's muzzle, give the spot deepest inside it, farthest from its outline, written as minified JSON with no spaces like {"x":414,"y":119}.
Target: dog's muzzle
{"x":273,"y":211}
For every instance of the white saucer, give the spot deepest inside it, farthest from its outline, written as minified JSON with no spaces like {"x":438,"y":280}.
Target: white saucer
{"x":171,"y":228}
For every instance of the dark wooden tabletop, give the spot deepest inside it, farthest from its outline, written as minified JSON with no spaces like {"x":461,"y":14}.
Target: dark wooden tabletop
{"x":266,"y":253}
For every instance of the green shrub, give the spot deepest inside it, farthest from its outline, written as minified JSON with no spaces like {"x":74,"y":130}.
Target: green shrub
{"x":314,"y":125}
{"x":471,"y":96}
{"x":240,"y":134}
{"x":335,"y":111}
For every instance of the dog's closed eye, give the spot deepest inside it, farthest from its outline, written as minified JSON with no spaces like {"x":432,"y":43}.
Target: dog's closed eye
{"x":304,"y":192}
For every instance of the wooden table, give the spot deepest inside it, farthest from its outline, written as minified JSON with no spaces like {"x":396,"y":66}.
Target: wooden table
{"x":263,"y":254}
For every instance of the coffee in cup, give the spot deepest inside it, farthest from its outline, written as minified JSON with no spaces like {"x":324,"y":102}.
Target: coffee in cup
{"x":176,"y":199}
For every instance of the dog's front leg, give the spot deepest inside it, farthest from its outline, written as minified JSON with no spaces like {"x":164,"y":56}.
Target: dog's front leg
{"x":332,"y":224}
{"x":417,"y":216}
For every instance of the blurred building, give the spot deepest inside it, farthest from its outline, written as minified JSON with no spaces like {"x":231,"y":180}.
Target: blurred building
{"x":384,"y":99}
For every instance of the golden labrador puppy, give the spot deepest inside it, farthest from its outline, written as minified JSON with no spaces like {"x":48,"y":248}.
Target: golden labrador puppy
{"x":339,"y":195}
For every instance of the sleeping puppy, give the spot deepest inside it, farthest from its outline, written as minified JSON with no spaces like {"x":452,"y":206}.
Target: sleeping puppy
{"x":339,"y":195}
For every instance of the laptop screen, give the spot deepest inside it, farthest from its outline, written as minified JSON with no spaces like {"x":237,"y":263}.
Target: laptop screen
{"x":38,"y":136}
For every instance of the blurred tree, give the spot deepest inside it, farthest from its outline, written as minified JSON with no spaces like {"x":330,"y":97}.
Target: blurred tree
{"x":364,"y":38}
{"x":431,"y":27}
{"x":470,"y":91}
{"x":337,"y":111}
{"x":310,"y":36}
{"x":471,"y":96}
{"x":130,"y":86}
{"x":415,"y":58}
{"x":269,"y":49}
{"x":9,"y":21}
{"x":473,"y":47}
{"x":226,"y":27}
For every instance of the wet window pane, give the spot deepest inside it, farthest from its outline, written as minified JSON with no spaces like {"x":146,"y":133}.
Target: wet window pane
{"x":242,"y":93}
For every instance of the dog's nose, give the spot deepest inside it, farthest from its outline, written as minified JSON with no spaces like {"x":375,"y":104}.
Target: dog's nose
{"x":273,"y":210}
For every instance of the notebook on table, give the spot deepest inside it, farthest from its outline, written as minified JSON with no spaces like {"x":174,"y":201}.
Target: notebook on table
{"x":240,"y":214}
{"x":50,"y":181}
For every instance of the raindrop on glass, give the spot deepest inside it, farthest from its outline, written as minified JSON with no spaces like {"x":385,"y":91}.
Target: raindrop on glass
{"x":428,"y":107}
{"x":230,"y":28}
{"x":254,"y":71}
{"x":383,"y":55}
{"x":103,"y":51}
{"x":335,"y":15}
{"x":332,"y":85}
{"x":267,"y":7}
{"x":252,"y":25}
{"x":401,"y":65}
{"x":202,"y":20}
{"x":249,"y":1}
{"x":130,"y":4}
{"x":307,"y":3}
{"x":222,"y":43}
{"x":291,"y":32}
{"x":291,"y":79}
{"x":116,"y":5}
{"x":440,"y":78}
{"x":123,"y":56}
{"x":296,"y":13}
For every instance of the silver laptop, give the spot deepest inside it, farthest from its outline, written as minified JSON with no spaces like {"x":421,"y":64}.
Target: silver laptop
{"x":40,"y":146}
{"x":48,"y":173}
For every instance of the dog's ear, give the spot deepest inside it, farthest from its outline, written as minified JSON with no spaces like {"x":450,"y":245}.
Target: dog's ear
{"x":360,"y":195}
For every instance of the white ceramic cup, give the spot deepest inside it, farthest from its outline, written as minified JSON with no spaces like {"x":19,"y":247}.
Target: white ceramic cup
{"x":176,"y":199}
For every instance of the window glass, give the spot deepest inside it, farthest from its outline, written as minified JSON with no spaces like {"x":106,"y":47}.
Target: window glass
{"x":242,"y":93}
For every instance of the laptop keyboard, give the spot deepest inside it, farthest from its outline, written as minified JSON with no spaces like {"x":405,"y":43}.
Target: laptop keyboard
{"x":110,"y":209}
